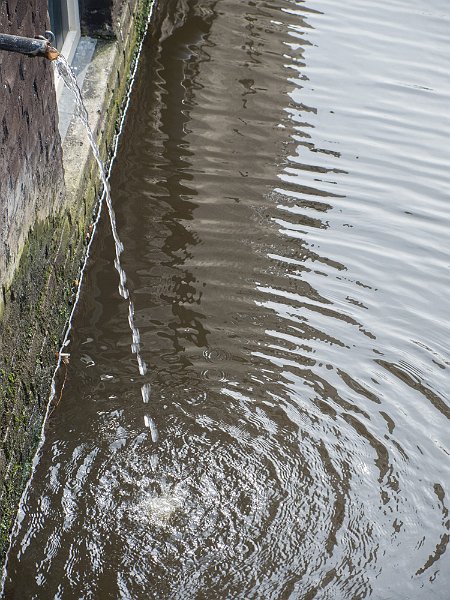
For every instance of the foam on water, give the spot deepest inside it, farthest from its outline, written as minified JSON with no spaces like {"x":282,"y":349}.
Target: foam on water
{"x":159,"y":509}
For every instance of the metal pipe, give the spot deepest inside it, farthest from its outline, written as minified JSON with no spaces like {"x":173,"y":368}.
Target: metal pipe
{"x":40,"y":46}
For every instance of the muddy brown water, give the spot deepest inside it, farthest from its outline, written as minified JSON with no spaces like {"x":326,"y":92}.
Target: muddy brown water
{"x":282,"y":192}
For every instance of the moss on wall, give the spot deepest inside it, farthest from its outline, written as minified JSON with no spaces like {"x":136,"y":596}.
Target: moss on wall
{"x":36,"y":309}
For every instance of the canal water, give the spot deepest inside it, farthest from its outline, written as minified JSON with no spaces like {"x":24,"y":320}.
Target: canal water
{"x":282,"y":193}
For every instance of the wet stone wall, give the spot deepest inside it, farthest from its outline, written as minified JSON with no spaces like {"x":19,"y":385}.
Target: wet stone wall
{"x":32,"y":234}
{"x":31,"y":175}
{"x":102,"y":18}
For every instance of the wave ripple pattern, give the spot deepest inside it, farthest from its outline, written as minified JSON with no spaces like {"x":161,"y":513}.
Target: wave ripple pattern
{"x":282,"y":193}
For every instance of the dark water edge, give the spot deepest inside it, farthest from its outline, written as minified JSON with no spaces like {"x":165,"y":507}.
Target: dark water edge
{"x":282,"y":194}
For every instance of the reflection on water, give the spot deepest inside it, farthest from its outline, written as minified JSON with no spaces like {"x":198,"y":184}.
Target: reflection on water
{"x":281,"y":192}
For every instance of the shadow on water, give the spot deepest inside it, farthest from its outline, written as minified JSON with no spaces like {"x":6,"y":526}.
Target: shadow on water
{"x":277,"y":244}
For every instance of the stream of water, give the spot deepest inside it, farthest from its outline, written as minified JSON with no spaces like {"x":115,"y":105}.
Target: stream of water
{"x":281,"y":189}
{"x":70,"y":81}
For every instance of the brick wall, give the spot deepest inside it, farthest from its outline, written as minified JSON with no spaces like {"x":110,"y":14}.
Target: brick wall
{"x":31,"y":175}
{"x":31,"y":195}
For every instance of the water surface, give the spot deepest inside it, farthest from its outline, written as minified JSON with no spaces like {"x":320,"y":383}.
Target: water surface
{"x":282,"y":192}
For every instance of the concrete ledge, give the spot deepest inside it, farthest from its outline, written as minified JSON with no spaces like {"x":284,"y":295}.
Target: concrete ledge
{"x":103,"y":91}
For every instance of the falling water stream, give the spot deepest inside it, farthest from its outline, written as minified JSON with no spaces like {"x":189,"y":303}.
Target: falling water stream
{"x":281,"y":189}
{"x":70,"y":81}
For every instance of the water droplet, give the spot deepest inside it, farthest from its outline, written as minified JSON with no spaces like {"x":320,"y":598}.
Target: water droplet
{"x":148,"y":421}
{"x":145,"y":391}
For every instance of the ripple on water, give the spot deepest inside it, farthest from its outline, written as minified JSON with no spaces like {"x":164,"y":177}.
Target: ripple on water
{"x":282,"y":193}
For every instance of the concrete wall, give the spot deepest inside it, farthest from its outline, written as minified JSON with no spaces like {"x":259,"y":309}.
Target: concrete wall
{"x":47,"y":196}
